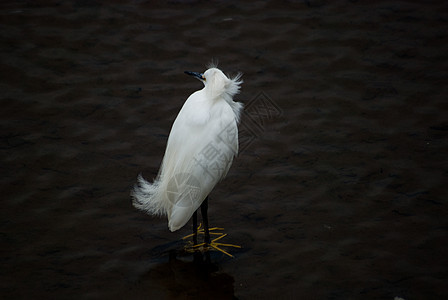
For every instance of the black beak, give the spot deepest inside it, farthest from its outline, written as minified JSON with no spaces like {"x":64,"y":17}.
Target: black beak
{"x":199,"y":76}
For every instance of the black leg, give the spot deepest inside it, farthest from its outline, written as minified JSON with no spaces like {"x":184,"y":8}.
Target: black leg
{"x":195,"y":228}
{"x":204,"y":208}
{"x":197,"y":257}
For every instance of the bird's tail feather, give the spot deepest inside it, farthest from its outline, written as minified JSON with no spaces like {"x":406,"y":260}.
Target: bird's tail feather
{"x":146,"y":197}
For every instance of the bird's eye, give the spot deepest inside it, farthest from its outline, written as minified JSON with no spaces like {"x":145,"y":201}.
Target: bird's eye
{"x":203,"y":77}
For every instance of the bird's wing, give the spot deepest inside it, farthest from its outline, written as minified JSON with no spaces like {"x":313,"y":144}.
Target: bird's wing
{"x":199,"y":153}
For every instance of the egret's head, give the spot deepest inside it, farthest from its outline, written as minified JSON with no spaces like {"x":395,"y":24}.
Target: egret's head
{"x":217,"y":84}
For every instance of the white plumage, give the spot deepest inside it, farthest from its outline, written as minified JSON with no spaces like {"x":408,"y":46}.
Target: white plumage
{"x":199,"y":152}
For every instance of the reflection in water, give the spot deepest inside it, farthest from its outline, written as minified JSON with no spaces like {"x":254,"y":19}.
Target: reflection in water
{"x":197,"y":279}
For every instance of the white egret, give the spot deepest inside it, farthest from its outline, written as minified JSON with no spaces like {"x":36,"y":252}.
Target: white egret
{"x":199,"y":152}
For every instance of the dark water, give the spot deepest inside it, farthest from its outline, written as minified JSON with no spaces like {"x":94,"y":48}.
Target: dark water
{"x":339,"y":191}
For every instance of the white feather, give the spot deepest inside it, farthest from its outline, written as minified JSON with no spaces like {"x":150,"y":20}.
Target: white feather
{"x":199,"y":152}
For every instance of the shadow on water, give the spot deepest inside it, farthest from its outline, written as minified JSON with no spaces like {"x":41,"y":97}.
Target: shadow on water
{"x":180,"y":277}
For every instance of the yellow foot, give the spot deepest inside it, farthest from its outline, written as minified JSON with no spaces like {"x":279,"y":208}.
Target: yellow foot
{"x":214,"y":244}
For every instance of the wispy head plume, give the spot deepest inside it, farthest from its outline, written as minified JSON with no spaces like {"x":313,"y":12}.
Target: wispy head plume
{"x":213,"y":63}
